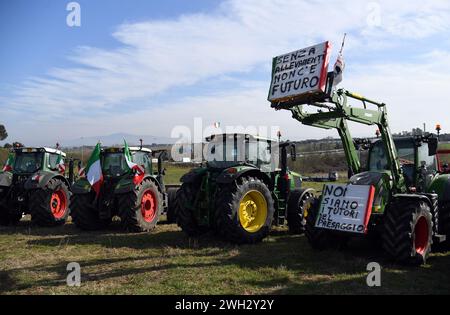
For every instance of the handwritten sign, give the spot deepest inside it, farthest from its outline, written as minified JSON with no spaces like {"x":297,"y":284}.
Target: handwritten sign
{"x":346,"y":208}
{"x":299,"y":73}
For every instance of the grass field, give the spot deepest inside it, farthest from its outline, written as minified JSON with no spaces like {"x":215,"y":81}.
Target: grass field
{"x":33,"y":261}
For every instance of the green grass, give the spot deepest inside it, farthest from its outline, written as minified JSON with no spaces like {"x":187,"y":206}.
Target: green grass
{"x":33,"y":261}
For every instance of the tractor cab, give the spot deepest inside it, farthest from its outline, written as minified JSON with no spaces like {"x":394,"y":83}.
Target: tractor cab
{"x":31,"y":160}
{"x":114,"y":163}
{"x":228,"y":150}
{"x":416,"y":156}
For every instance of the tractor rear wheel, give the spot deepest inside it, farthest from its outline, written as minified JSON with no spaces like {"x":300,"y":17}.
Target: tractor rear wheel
{"x":185,"y":200}
{"x":50,"y":206}
{"x":407,"y":231}
{"x":139,"y":209}
{"x":318,"y":238}
{"x":298,"y":206}
{"x":171,"y":207}
{"x":85,"y":214}
{"x":244,"y":211}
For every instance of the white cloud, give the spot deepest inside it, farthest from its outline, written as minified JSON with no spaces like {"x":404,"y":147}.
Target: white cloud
{"x":239,"y":37}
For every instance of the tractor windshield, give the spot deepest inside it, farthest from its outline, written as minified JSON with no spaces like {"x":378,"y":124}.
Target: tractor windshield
{"x":444,"y":161}
{"x":378,"y":158}
{"x":114,"y":164}
{"x":225,"y":152}
{"x":28,"y":162}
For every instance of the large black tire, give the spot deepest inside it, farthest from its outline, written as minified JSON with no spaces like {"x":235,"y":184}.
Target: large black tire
{"x":85,"y":214}
{"x":171,"y":205}
{"x":185,"y":199}
{"x":139,"y":209}
{"x":318,"y":238}
{"x":407,"y":234}
{"x":7,"y":215}
{"x":227,"y":204}
{"x":444,"y":219}
{"x":50,"y":206}
{"x":298,"y":204}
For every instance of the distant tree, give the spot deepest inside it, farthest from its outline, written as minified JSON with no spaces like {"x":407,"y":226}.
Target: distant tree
{"x":3,"y":133}
{"x":7,"y":146}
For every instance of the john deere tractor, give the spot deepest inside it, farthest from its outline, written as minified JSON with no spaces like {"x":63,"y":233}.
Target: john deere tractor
{"x":138,"y":200}
{"x":409,"y":198}
{"x":34,"y":182}
{"x":240,"y":192}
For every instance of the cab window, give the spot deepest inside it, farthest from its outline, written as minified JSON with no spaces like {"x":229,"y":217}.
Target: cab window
{"x":53,"y":160}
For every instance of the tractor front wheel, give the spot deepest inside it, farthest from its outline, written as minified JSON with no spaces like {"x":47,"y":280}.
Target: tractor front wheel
{"x":184,"y":204}
{"x":50,"y":206}
{"x":298,"y":206}
{"x":318,"y":238}
{"x":85,"y":214}
{"x":139,"y":209}
{"x":8,"y":216}
{"x":171,"y":206}
{"x":244,"y":211}
{"x":407,"y":231}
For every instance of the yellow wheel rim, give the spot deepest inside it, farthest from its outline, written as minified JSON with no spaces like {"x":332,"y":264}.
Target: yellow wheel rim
{"x":253,"y":211}
{"x":306,"y":209}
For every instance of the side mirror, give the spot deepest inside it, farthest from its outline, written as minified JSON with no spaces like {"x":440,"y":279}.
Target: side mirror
{"x":432,"y":146}
{"x":293,"y":152}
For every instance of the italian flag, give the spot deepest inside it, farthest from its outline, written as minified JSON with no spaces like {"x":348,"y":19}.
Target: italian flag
{"x":9,"y":163}
{"x":94,"y":170}
{"x":60,"y":164}
{"x":139,"y":170}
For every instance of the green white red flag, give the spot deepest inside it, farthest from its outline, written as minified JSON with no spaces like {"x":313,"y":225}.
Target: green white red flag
{"x":139,"y":170}
{"x":93,"y":171}
{"x":9,"y":163}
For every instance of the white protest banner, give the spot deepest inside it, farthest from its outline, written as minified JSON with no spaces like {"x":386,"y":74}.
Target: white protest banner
{"x":346,"y":208}
{"x":300,"y":73}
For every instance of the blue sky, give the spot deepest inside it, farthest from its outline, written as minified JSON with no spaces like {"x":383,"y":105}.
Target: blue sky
{"x":143,"y":67}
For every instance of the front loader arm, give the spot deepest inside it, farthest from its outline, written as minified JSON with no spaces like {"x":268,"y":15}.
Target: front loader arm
{"x":335,"y":117}
{"x":332,"y":120}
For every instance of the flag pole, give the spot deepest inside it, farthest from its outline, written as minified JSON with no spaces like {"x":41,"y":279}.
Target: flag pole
{"x":343,"y":43}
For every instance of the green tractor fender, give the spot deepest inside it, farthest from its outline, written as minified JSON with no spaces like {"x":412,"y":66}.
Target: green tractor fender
{"x":40,"y":180}
{"x":231,"y":174}
{"x":5,"y":179}
{"x":193,"y":176}
{"x":126,"y":184}
{"x":295,"y":179}
{"x":81,"y":186}
{"x":441,"y":186}
{"x":415,"y":197}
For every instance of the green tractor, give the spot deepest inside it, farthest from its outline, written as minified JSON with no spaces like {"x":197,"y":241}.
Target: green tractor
{"x":410,"y":199}
{"x":33,"y":182}
{"x":441,"y":185}
{"x":240,"y":192}
{"x":137,"y":199}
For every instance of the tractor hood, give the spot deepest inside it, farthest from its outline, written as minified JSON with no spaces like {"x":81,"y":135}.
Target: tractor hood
{"x":381,"y":181}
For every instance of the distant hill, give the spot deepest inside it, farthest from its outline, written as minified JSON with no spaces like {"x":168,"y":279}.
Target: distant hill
{"x":117,"y":139}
